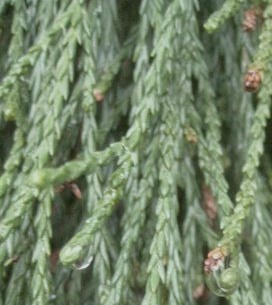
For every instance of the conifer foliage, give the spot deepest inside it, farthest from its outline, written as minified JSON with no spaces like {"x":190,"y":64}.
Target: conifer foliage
{"x":135,"y":152}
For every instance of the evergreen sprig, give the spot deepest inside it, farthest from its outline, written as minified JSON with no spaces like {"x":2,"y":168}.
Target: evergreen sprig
{"x":164,"y":269}
{"x":246,"y":195}
{"x":73,"y":169}
{"x":74,"y":250}
{"x":41,"y":277}
{"x":232,"y":233}
{"x":260,"y":243}
{"x":229,"y":8}
{"x":116,"y":118}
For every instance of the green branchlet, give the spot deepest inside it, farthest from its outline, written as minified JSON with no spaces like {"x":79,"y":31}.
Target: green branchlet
{"x":245,"y":197}
{"x":106,"y":79}
{"x":229,"y":8}
{"x":12,"y":218}
{"x":264,"y":53}
{"x":41,"y":277}
{"x":13,"y":162}
{"x":71,"y":170}
{"x":25,"y":62}
{"x":74,"y":250}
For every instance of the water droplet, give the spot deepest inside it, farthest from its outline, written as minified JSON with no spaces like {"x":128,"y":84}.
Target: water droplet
{"x":224,"y":282}
{"x":221,"y":273}
{"x":70,"y":254}
{"x":52,"y":297}
{"x":85,"y":263}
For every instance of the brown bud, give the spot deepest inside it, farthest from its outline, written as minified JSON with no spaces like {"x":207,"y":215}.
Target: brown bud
{"x":54,"y":258}
{"x":209,"y":203}
{"x":70,"y":186}
{"x":98,"y":95}
{"x":190,"y":135}
{"x":251,"y":18}
{"x":11,"y":260}
{"x":252,"y":80}
{"x":200,"y":292}
{"x":76,"y":191}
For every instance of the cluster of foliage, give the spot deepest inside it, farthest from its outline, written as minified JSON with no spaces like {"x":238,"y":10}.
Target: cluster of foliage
{"x":131,"y":153}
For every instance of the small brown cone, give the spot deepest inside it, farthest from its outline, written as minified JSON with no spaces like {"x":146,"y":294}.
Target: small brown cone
{"x":253,"y":80}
